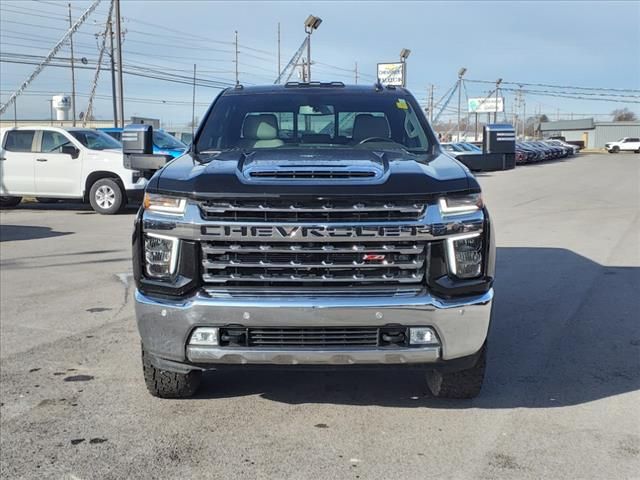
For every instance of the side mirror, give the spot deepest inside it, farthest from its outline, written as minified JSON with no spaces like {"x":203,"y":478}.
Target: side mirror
{"x":137,"y":147}
{"x":70,"y":150}
{"x":137,"y":138}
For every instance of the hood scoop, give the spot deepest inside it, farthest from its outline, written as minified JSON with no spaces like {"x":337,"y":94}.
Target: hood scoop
{"x":295,"y":166}
{"x":313,"y":173}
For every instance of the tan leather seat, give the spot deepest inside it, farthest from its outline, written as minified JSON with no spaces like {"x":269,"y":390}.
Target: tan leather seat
{"x":260,"y":131}
{"x":366,"y":125}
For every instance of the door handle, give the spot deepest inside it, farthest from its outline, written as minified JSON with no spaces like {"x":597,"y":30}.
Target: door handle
{"x":41,"y":159}
{"x":2,"y":159}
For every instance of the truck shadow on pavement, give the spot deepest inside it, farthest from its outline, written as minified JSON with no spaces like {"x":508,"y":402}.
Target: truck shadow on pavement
{"x":565,"y":331}
{"x":78,"y":206}
{"x":25,"y":232}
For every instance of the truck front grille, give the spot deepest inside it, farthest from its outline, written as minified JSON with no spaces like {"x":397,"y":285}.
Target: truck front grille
{"x":312,"y":337}
{"x":310,"y":211}
{"x":313,"y":264}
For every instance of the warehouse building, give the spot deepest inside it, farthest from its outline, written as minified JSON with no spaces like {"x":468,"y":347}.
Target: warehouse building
{"x":591,"y":134}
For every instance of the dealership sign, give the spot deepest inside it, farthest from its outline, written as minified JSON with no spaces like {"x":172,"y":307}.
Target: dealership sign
{"x":486,"y":105}
{"x":391,"y":74}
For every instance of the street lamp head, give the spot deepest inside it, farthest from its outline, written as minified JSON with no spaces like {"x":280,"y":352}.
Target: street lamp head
{"x":312,"y":23}
{"x":404,"y":53}
{"x":462,"y":71}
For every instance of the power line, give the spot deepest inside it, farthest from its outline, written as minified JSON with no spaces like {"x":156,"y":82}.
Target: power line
{"x":524,"y":84}
{"x":32,"y":12}
{"x":50,"y":56}
{"x":575,"y":97}
{"x":166,"y":77}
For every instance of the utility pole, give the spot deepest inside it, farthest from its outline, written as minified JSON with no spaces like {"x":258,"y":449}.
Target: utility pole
{"x":73,"y":74}
{"x":356,"y":72}
{"x":114,"y":94}
{"x":15,"y":113}
{"x":119,"y":62}
{"x":524,"y":118}
{"x":431,"y":88}
{"x":309,"y":57}
{"x":236,"y":61}
{"x":516,"y":109}
{"x":279,"y":63}
{"x":50,"y":111}
{"x":475,"y":132}
{"x":461,"y":73}
{"x":193,"y":103}
{"x":495,"y":114}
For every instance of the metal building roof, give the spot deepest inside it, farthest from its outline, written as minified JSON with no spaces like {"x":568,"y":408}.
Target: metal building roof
{"x":580,"y":124}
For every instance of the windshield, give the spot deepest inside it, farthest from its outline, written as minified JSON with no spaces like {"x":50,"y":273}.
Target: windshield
{"x":164,"y":140}
{"x":95,"y":140}
{"x":313,"y":120}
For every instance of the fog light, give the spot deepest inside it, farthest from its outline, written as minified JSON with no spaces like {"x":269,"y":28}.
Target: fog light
{"x":204,"y":336}
{"x":422,"y":336}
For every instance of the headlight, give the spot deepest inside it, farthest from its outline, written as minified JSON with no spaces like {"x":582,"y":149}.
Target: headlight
{"x":464,"y":255}
{"x":160,"y":255}
{"x":457,"y":205}
{"x":164,"y":204}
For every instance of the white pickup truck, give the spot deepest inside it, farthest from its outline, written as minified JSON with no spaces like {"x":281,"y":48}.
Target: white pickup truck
{"x":625,"y":144}
{"x":56,"y":163}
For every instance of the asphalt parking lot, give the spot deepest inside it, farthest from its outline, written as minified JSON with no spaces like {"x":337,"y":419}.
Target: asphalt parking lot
{"x":561,"y":399}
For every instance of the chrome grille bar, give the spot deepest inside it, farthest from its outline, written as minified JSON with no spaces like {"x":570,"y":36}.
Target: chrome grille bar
{"x":309,"y":277}
{"x":318,"y":210}
{"x":221,"y":291}
{"x":215,"y":207}
{"x":405,"y":248}
{"x":326,"y":264}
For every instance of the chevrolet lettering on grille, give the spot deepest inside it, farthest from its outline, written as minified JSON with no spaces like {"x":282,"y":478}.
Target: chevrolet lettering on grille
{"x":311,"y":233}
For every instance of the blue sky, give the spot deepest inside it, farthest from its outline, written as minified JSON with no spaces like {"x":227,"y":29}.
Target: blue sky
{"x":588,"y":44}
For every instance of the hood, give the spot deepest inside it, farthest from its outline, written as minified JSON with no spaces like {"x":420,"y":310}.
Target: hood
{"x":316,"y":172}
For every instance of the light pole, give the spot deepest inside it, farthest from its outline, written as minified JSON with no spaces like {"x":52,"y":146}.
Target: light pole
{"x":461,"y":73}
{"x":73,"y":75}
{"x":495,"y":114}
{"x":310,"y":24}
{"x":404,"y":54}
{"x":119,"y":64}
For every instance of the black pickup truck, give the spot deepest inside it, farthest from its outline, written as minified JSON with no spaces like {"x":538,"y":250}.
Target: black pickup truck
{"x":314,"y":225}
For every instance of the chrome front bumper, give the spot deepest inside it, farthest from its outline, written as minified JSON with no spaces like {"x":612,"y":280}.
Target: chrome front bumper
{"x":462,"y":326}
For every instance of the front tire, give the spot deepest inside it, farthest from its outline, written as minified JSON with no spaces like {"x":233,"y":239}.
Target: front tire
{"x":9,"y":202}
{"x":461,"y":384}
{"x":106,"y":196}
{"x":614,"y":150}
{"x":166,"y":384}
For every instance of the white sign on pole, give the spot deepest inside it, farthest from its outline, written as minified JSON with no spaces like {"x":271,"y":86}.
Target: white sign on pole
{"x":391,"y":74}
{"x":485,"y":105}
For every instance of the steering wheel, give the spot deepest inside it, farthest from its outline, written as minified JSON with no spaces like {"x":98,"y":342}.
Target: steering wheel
{"x":377,"y":139}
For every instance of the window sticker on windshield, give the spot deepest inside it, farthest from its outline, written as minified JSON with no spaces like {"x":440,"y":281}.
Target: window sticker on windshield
{"x":401,"y":103}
